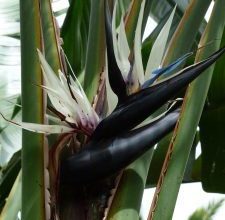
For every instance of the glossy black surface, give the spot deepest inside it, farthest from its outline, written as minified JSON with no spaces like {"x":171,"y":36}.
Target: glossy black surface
{"x":139,"y":106}
{"x":106,"y":157}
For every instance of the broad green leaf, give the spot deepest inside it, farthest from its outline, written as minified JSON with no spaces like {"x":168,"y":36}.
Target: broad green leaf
{"x":212,"y":143}
{"x":131,"y":21}
{"x":95,"y":50}
{"x":126,"y":205}
{"x":211,"y":130}
{"x":216,"y":93}
{"x":191,"y":20}
{"x":185,"y":131}
{"x":159,"y":157}
{"x":51,"y":38}
{"x":157,"y":161}
{"x":75,"y":34}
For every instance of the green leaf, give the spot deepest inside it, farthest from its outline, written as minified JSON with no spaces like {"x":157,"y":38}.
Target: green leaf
{"x":10,"y":140}
{"x":10,"y":136}
{"x":212,"y":143}
{"x":160,"y":8}
{"x":190,"y":116}
{"x":51,"y":38}
{"x":33,"y":164}
{"x":211,"y":132}
{"x":157,"y":161}
{"x":8,"y":177}
{"x":95,"y":49}
{"x":159,"y":157}
{"x":146,"y":15}
{"x":126,"y":205}
{"x":191,"y":20}
{"x":208,"y":212}
{"x":197,"y":168}
{"x":75,"y":34}
{"x":13,"y":203}
{"x":131,"y":21}
{"x":216,"y":92}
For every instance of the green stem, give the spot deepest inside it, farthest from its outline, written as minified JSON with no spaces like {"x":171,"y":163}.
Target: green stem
{"x":33,"y":184}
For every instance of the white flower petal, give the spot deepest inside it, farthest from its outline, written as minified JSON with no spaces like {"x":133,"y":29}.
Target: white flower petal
{"x":63,"y":106}
{"x":46,"y":129}
{"x":121,"y":55}
{"x":83,"y":101}
{"x":158,"y":48}
{"x":123,"y":50}
{"x":75,"y":107}
{"x":137,"y":46}
{"x":41,"y":128}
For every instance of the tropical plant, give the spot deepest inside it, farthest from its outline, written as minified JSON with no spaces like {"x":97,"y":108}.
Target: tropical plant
{"x":111,"y":99}
{"x":208,"y":212}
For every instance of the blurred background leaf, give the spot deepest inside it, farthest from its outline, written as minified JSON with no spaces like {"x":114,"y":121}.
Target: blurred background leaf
{"x":208,"y":212}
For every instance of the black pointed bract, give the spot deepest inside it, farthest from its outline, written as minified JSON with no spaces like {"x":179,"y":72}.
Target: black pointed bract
{"x":106,"y":157}
{"x":113,"y":145}
{"x":116,"y":80}
{"x":137,"y":107}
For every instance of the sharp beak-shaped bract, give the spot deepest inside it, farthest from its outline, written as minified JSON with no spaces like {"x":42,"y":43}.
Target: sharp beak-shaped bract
{"x":115,"y":77}
{"x":113,"y":145}
{"x":139,"y":106}
{"x":103,"y":158}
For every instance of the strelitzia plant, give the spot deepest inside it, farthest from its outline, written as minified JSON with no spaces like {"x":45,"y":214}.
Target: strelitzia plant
{"x":92,"y":148}
{"x":112,"y":141}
